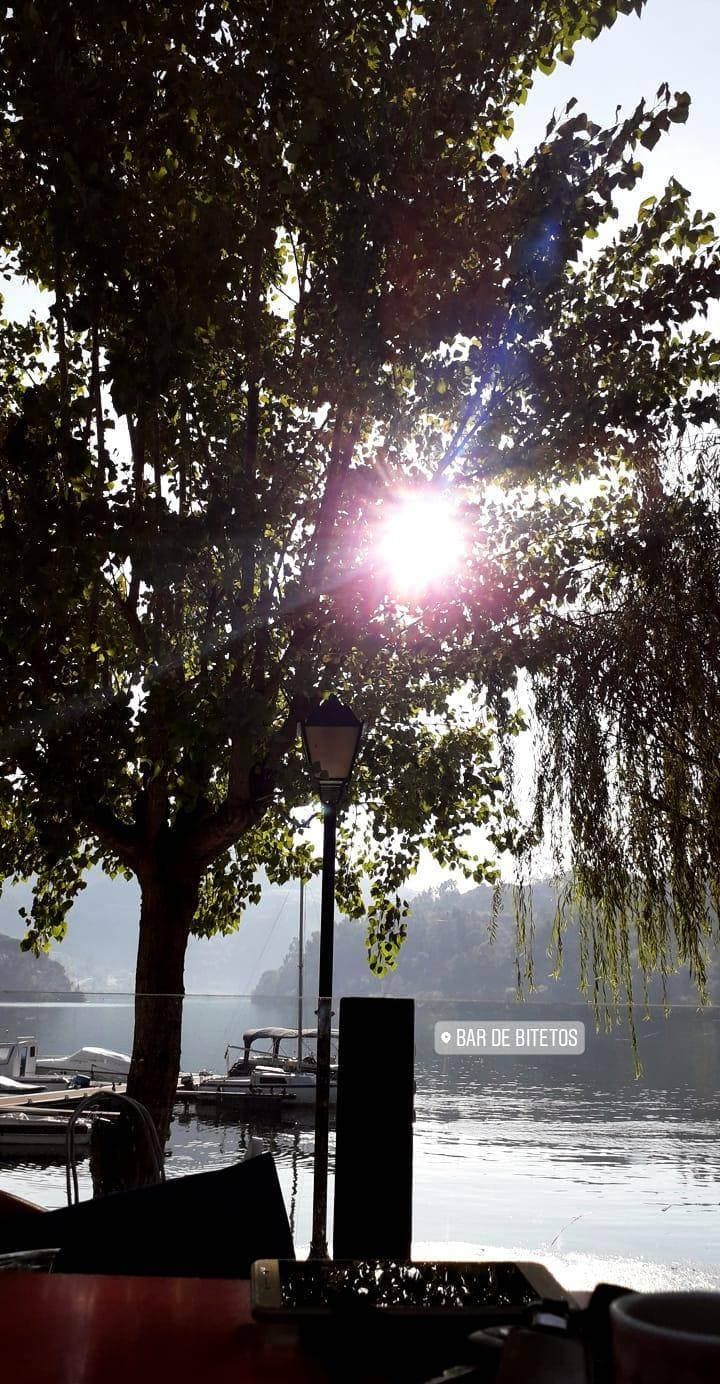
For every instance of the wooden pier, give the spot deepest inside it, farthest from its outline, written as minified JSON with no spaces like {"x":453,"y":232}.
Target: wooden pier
{"x":60,"y":1099}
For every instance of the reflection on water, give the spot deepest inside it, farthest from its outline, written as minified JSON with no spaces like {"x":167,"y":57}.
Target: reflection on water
{"x":205,"y":1141}
{"x":571,"y":1161}
{"x":633,"y":1174}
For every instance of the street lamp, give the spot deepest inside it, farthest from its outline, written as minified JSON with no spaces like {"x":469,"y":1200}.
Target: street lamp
{"x":331,"y":736}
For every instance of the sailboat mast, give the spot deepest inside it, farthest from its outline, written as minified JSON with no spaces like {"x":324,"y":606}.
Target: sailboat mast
{"x":301,"y":943}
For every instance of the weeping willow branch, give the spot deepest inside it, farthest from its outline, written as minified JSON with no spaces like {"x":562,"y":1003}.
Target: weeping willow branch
{"x":627,"y":705}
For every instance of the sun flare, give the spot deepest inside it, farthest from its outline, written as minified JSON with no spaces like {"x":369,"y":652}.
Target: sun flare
{"x":422,"y":542}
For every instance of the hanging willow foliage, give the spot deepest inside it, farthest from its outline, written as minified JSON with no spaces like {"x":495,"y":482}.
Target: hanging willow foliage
{"x":627,"y":703}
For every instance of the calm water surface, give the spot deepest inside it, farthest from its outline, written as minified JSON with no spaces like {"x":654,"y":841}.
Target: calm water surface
{"x":571,"y":1160}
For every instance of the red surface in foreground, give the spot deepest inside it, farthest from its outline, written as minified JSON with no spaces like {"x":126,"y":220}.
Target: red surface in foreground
{"x":86,"y":1329}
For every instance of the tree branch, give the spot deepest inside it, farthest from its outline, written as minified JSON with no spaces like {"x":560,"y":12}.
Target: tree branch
{"x":136,"y":429}
{"x":341,"y":453}
{"x":221,"y":830}
{"x":97,"y":405}
{"x":128,"y":607}
{"x":157,"y":468}
{"x":60,"y":311}
{"x":118,"y":836}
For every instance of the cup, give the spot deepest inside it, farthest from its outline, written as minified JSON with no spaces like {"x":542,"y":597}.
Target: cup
{"x":666,"y":1338}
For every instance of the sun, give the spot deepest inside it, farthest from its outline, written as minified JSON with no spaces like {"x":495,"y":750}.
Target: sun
{"x":422,"y":541}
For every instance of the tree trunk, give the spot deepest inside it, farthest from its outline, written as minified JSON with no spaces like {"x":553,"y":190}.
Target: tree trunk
{"x":167,"y":910}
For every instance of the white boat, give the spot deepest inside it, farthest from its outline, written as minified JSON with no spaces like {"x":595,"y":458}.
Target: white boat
{"x":271,"y":1076}
{"x":21,"y":1064}
{"x":303,"y":1059}
{"x":99,"y":1064}
{"x":17,"y":1061}
{"x":27,"y":1087}
{"x":274,"y":1076}
{"x":271,"y":1086}
{"x":18,"y":1069}
{"x":297,"y":1088}
{"x":33,"y":1131}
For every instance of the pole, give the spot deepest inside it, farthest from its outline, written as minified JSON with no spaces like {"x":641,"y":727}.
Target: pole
{"x":301,"y":943}
{"x":318,"y":1246}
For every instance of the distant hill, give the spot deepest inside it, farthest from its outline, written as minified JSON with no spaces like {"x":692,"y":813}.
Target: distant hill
{"x":450,"y":954}
{"x":23,"y":976}
{"x":100,"y":948}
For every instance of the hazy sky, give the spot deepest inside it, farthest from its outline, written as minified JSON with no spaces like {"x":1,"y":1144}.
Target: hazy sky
{"x":674,"y":41}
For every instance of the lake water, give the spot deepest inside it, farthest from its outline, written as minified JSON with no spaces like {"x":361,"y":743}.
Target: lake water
{"x":572,"y":1160}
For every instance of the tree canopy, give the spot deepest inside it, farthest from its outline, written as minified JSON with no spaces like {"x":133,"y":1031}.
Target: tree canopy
{"x":295,"y":276}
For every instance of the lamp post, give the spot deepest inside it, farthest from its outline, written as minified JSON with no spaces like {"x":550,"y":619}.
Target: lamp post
{"x":331,"y":736}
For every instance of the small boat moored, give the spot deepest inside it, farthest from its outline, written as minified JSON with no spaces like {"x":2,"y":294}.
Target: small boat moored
{"x":18,"y":1062}
{"x":98,"y":1064}
{"x":265,"y":1078}
{"x":28,"y":1087}
{"x":31,"y":1131}
{"x":303,"y":1059}
{"x":296,"y":1088}
{"x":268,"y":1089}
{"x":21,"y":1065}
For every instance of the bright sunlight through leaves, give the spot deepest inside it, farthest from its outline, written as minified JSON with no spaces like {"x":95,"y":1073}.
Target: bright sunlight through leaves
{"x":422,"y":541}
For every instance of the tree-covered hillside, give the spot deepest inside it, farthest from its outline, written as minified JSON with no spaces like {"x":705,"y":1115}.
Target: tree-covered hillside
{"x":23,"y":975}
{"x":457,"y":949}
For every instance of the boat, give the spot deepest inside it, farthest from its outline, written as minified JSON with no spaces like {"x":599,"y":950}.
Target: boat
{"x":265,"y":1075}
{"x":264,"y":1089}
{"x":294,"y":1088}
{"x":98,"y":1064}
{"x":21,"y":1065}
{"x":270,"y":1077}
{"x":303,"y":1059}
{"x":18,"y":1069}
{"x":17,"y":1061}
{"x":34,"y":1131}
{"x":8,"y":1087}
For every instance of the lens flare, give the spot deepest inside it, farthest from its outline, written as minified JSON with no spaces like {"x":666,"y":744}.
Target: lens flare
{"x":422,"y":542}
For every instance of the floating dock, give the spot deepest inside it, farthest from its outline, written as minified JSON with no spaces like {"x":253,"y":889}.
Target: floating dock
{"x":60,"y":1100}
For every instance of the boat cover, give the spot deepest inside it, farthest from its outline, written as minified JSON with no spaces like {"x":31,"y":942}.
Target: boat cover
{"x":87,"y":1057}
{"x":251,"y":1035}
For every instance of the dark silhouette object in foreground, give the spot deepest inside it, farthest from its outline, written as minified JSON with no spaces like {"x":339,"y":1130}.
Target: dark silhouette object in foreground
{"x":374,"y":1160}
{"x":209,"y":1225}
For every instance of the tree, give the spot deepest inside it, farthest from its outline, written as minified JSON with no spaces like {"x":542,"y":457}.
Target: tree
{"x":294,"y":277}
{"x":627,"y":691}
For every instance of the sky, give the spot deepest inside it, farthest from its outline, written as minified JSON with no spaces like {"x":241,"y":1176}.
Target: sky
{"x":673,"y":41}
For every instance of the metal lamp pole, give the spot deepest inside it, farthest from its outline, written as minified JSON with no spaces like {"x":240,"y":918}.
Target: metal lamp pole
{"x":318,"y":1245}
{"x":301,"y":945}
{"x":331,"y":736}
